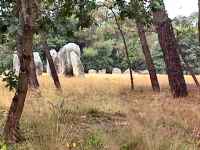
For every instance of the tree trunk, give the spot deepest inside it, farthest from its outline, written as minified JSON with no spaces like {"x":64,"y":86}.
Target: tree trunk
{"x":51,"y":63}
{"x":148,"y":58}
{"x":24,"y":48}
{"x":32,"y":80}
{"x":126,"y":49}
{"x":199,"y":21}
{"x":189,"y":68}
{"x":169,"y":46}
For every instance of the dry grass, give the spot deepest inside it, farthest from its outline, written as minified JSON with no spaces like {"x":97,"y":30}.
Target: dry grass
{"x":100,"y":112}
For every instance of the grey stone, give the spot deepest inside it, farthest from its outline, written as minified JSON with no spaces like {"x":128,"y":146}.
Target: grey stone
{"x":92,"y":71}
{"x":16,"y":64}
{"x":69,"y":57}
{"x":37,"y":61}
{"x":102,"y":71}
{"x":77,"y":66}
{"x":116,"y":71}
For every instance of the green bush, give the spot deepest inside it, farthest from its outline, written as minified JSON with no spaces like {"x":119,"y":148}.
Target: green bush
{"x":11,"y":80}
{"x":94,"y":141}
{"x":5,"y":58}
{"x":3,"y":146}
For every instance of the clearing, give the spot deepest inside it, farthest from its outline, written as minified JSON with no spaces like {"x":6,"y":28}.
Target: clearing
{"x":99,"y":112}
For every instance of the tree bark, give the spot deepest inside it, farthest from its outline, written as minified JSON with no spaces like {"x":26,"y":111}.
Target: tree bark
{"x":32,"y":76}
{"x":32,"y":80}
{"x":189,"y":68}
{"x":51,"y":63}
{"x":149,"y":61}
{"x":24,"y":48}
{"x":169,"y":46}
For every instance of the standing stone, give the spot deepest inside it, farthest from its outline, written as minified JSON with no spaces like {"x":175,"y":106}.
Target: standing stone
{"x":102,"y":71}
{"x":116,"y":71}
{"x":16,"y":64}
{"x":70,"y":63}
{"x":38,"y":63}
{"x":92,"y":71}
{"x":77,"y":66}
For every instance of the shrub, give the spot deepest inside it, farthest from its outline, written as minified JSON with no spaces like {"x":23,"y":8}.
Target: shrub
{"x":11,"y":80}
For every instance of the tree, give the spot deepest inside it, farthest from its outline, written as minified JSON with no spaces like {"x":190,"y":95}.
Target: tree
{"x":186,"y":34}
{"x":24,"y":48}
{"x":51,"y":63}
{"x":148,"y":58}
{"x":7,"y":18}
{"x":45,"y":23}
{"x":141,"y":17}
{"x":125,"y":47}
{"x":169,"y":46}
{"x":111,"y":7}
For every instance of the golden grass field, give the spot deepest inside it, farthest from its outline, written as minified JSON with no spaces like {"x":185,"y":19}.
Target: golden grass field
{"x":100,"y":112}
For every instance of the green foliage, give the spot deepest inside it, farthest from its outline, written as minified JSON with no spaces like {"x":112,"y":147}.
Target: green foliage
{"x":5,"y":58}
{"x":83,"y":12}
{"x":141,"y":13}
{"x":73,"y":21}
{"x":98,"y":58}
{"x":11,"y":80}
{"x":94,"y":141}
{"x":6,"y":7}
{"x":156,"y":5}
{"x":106,"y":48}
{"x":186,"y":33}
{"x":90,"y":52}
{"x":3,"y":146}
{"x":157,"y":56}
{"x":107,"y":59}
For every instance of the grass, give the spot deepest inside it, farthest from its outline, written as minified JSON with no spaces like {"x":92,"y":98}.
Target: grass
{"x":99,"y":112}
